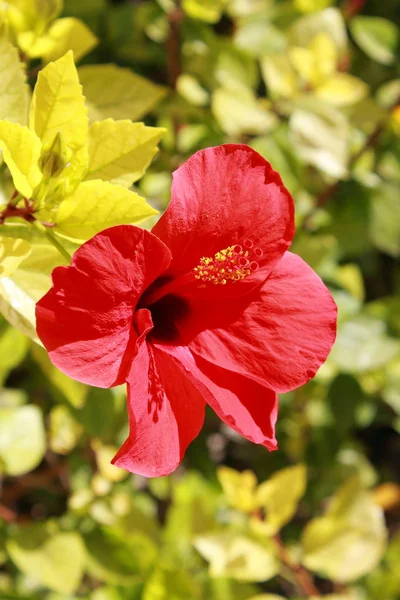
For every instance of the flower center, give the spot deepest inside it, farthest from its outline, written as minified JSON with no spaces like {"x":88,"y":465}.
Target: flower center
{"x":230,"y":264}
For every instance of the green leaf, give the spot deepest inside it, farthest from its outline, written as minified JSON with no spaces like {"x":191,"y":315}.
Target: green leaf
{"x":239,"y":111}
{"x":58,"y":104}
{"x":385,"y":218}
{"x":116,"y":559}
{"x":259,"y":37}
{"x":378,"y":37}
{"x":13,"y":348}
{"x":176,"y":584}
{"x":204,"y":10}
{"x":64,"y":431}
{"x":26,"y":285}
{"x":342,"y":90}
{"x":14,"y":92}
{"x":74,"y":391}
{"x":279,"y":497}
{"x":267,"y":597}
{"x":55,"y":559}
{"x":68,"y":34}
{"x":239,"y":488}
{"x":349,"y":540}
{"x":118,"y":93}
{"x":21,"y":150}
{"x":98,"y":412}
{"x":120,"y":151}
{"x":96,"y":205}
{"x":238,"y":556}
{"x":33,"y":15}
{"x":362,"y":345}
{"x":22,"y":439}
{"x":12,"y":253}
{"x":329,"y":21}
{"x":320,"y":134}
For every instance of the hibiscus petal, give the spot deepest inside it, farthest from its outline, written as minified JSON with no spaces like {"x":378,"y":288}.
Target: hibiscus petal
{"x":224,"y":196}
{"x":166,"y":412}
{"x":85,"y":321}
{"x":283,"y":337}
{"x":245,"y":405}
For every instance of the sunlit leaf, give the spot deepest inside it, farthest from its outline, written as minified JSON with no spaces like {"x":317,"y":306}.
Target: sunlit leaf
{"x":239,"y":111}
{"x":68,"y":34}
{"x":118,"y":93}
{"x":64,"y":431}
{"x":342,"y":89}
{"x":12,"y":253}
{"x":96,"y":205}
{"x":349,"y":540}
{"x":42,"y":553}
{"x":239,"y":488}
{"x":14,"y":92}
{"x":238,"y":556}
{"x":58,"y":104}
{"x":22,"y":439}
{"x":21,"y":150}
{"x":120,"y":151}
{"x":279,"y":497}
{"x":385,"y":218}
{"x":204,"y":10}
{"x":378,"y":37}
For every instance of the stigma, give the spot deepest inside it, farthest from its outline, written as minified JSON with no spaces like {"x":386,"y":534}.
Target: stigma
{"x":231,"y":264}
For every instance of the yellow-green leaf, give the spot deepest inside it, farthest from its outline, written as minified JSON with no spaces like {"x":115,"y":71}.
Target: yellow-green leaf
{"x":69,"y":34}
{"x":21,"y":150}
{"x":120,"y":151}
{"x":26,"y":285}
{"x":96,"y":205}
{"x":58,"y":104}
{"x":279,"y":76}
{"x":22,"y":439}
{"x":204,"y":10}
{"x":14,"y":92}
{"x":279,"y":496}
{"x":118,"y":93}
{"x":238,"y":556}
{"x":12,"y":253}
{"x":33,"y":15}
{"x":13,"y":347}
{"x":64,"y":430}
{"x":55,"y":559}
{"x":342,"y":90}
{"x":349,"y":540}
{"x":74,"y":391}
{"x":239,"y":488}
{"x":239,"y":111}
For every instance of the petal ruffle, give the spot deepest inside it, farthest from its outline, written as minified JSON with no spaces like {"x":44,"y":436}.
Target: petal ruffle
{"x":85,"y":321}
{"x":224,"y":196}
{"x":166,"y":412}
{"x":245,"y":405}
{"x":283,"y":337}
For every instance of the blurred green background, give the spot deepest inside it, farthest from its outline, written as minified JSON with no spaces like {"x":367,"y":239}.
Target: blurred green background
{"x":314,"y":86}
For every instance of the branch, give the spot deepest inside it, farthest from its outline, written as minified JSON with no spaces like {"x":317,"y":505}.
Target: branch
{"x":301,"y":577}
{"x":173,"y":46}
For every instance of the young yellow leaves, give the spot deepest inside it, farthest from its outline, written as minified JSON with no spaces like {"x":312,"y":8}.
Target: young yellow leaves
{"x":12,"y":253}
{"x":96,"y":205}
{"x":58,"y":104}
{"x":118,"y":93}
{"x":120,"y":151}
{"x":21,"y":151}
{"x":63,"y":35}
{"x":14,"y":92}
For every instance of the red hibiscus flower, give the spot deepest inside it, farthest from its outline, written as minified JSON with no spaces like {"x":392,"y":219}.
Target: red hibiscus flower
{"x":207,"y":308}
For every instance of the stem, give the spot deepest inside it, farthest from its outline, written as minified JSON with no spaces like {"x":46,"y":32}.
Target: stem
{"x":52,"y":238}
{"x":175,"y":17}
{"x":301,"y":577}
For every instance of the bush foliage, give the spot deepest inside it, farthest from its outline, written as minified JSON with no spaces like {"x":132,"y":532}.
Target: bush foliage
{"x":312,"y":85}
